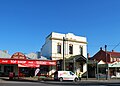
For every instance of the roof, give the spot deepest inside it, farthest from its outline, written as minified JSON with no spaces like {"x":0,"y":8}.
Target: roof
{"x":101,"y":55}
{"x":4,"y":54}
{"x":77,"y":58}
{"x":114,"y":54}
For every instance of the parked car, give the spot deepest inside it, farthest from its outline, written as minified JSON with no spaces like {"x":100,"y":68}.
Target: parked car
{"x":65,"y":75}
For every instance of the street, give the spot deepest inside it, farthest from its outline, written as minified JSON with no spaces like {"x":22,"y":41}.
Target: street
{"x":6,"y":82}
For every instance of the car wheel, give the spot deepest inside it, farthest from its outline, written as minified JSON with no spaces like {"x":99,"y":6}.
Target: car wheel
{"x":76,"y":79}
{"x":61,"y":79}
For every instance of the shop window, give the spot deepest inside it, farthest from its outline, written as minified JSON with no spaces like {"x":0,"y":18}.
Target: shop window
{"x":26,"y":72}
{"x":44,"y":70}
{"x":0,"y":68}
{"x":70,"y":49}
{"x":59,"y":65}
{"x":7,"y":69}
{"x":59,"y":48}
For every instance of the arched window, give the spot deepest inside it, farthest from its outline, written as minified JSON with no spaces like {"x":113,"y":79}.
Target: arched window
{"x":70,"y":49}
{"x":81,"y":50}
{"x":59,"y":48}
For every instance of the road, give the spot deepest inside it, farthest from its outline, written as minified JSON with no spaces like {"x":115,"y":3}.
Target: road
{"x":57,"y":83}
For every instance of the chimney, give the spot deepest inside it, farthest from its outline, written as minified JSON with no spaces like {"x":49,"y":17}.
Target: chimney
{"x":112,"y":50}
{"x":100,"y":48}
{"x":88,"y":55}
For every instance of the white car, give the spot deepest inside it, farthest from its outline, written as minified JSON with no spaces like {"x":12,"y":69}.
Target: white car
{"x":65,"y":75}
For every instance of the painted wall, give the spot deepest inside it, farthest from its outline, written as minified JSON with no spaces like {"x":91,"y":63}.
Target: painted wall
{"x":49,"y":49}
{"x":46,"y":49}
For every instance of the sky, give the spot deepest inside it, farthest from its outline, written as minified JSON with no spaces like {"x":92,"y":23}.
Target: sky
{"x":24,"y":24}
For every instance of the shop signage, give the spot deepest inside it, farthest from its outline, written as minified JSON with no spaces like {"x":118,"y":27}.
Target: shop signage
{"x":28,"y":65}
{"x":36,"y":62}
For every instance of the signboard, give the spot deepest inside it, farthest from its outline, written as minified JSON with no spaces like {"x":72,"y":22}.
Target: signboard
{"x":28,"y":65}
{"x":115,"y":64}
{"x":35,"y":62}
{"x":37,"y":71}
{"x":18,"y":55}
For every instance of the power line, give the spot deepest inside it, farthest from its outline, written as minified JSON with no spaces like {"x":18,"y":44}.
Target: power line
{"x":116,"y":46}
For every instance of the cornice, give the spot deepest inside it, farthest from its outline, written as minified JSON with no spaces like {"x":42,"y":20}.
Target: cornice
{"x":71,"y":40}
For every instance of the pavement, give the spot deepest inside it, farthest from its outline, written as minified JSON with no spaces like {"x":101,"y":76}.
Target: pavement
{"x":34,"y":79}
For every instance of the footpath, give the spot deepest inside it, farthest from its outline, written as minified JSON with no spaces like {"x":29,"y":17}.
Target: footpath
{"x":34,"y":79}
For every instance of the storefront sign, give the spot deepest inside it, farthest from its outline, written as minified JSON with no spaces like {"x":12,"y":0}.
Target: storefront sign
{"x":36,"y":62}
{"x":28,"y":65}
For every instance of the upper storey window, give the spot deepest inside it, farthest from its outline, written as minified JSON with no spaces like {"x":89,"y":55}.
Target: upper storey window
{"x":81,"y":50}
{"x":70,"y":49}
{"x":59,"y":48}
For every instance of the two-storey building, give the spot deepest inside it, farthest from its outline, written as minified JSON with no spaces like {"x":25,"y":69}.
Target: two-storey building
{"x":73,"y":48}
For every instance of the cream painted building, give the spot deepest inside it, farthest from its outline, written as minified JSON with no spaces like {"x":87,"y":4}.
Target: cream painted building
{"x":73,"y":46}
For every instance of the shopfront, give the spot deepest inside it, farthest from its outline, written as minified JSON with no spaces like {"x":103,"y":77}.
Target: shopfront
{"x":26,"y":67}
{"x":23,"y":67}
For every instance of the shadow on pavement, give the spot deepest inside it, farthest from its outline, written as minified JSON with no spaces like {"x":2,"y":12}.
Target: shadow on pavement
{"x":19,"y":80}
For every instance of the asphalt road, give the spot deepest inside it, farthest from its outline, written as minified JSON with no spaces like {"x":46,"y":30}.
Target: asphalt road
{"x":6,"y":82}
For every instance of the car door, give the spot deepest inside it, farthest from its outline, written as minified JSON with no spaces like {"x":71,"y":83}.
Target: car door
{"x":71,"y":76}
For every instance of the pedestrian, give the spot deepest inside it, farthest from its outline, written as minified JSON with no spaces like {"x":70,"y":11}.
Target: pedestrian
{"x":79,"y":75}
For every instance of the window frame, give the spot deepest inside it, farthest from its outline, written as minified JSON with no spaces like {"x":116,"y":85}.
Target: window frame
{"x":58,"y":48}
{"x":81,"y":50}
{"x":70,"y":49}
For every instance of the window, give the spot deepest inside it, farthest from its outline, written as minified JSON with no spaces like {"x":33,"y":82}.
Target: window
{"x":59,"y":48}
{"x":71,"y":73}
{"x":81,"y":50}
{"x":7,"y":69}
{"x":114,"y":59}
{"x":0,"y":68}
{"x":70,"y":49}
{"x":111,"y":59}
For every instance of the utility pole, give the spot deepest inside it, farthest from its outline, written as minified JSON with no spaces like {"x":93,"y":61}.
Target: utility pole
{"x":106,"y":65}
{"x":87,"y":66}
{"x":97,"y":70}
{"x":63,"y":54}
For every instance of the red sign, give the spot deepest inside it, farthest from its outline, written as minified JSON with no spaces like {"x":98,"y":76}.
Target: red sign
{"x":28,"y":65}
{"x":35,"y":62}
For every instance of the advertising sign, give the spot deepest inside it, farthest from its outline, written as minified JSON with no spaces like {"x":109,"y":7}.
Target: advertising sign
{"x":33,"y":62}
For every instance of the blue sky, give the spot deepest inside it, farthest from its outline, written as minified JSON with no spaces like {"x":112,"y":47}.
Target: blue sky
{"x":24,"y":24}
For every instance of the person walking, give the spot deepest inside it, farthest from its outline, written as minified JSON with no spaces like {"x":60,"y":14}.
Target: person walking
{"x":79,"y":75}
